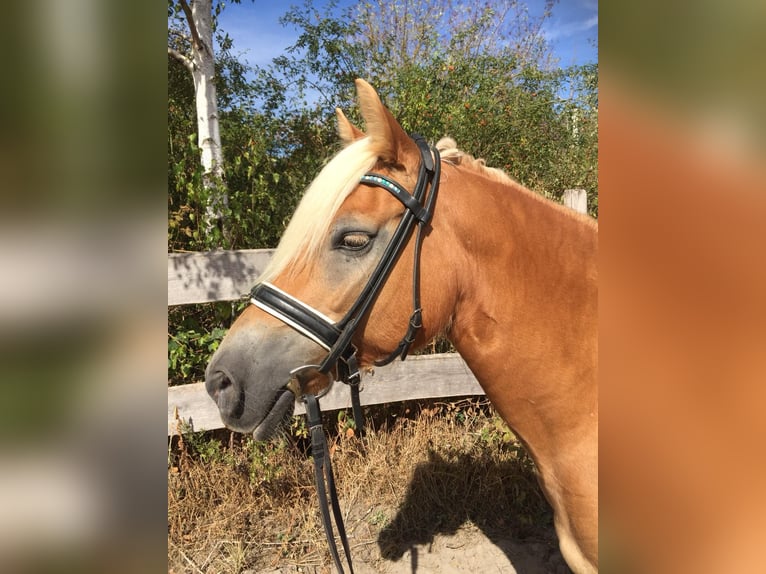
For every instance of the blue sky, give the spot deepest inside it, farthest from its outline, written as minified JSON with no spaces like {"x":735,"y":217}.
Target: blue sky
{"x":258,"y":37}
{"x":572,"y":31}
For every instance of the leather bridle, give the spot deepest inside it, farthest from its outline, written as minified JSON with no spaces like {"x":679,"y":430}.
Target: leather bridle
{"x":336,"y":337}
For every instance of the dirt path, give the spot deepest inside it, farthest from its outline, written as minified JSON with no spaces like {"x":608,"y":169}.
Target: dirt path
{"x":469,"y":550}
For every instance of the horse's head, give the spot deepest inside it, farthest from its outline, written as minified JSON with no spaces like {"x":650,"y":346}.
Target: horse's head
{"x":338,"y":235}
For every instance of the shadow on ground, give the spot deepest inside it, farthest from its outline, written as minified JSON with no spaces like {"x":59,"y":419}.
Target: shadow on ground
{"x":502,"y":499}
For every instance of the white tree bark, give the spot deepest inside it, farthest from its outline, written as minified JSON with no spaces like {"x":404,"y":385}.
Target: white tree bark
{"x":201,"y":64}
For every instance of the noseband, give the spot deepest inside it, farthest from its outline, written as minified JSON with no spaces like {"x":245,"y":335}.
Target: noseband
{"x":336,"y":337}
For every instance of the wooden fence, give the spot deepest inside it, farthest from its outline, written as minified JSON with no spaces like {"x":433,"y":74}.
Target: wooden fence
{"x":229,"y":275}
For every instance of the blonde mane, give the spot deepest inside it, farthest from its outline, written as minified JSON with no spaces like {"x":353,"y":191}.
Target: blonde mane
{"x":323,"y":198}
{"x":451,"y":154}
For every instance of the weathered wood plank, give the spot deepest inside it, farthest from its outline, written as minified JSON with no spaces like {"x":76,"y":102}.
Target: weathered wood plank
{"x":420,"y":377}
{"x":213,"y":276}
{"x":576,"y":199}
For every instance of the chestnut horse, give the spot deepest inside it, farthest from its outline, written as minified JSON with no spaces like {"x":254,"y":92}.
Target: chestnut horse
{"x":508,"y":276}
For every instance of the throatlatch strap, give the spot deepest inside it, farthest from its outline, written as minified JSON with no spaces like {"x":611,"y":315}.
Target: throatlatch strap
{"x":322,"y":471}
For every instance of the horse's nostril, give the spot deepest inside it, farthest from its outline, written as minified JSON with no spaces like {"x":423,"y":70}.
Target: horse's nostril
{"x":226,"y":391}
{"x":217,"y":382}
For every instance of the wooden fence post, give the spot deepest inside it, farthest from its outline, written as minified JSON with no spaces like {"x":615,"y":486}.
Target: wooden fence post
{"x":576,"y":199}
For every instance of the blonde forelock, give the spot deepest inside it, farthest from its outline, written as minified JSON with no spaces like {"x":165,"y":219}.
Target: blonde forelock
{"x":311,"y":221}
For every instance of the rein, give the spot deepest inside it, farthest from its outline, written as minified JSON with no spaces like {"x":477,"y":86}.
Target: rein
{"x":336,"y":337}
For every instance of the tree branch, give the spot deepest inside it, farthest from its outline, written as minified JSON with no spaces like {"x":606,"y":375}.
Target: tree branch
{"x":179,"y":35}
{"x":181,"y":58}
{"x":196,"y":41}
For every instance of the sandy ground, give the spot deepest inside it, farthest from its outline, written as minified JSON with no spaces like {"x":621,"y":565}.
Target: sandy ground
{"x":467,"y":550}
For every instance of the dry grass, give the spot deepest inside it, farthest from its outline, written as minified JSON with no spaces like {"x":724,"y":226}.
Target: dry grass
{"x":421,"y":470}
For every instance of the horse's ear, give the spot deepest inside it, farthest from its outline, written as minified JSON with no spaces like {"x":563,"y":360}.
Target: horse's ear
{"x":387,"y":136}
{"x":347,"y":131}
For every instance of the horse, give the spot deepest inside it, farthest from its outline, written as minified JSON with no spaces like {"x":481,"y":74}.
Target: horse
{"x":509,"y":277}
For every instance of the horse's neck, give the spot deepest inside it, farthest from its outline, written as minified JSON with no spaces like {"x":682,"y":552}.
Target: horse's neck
{"x":527,"y":315}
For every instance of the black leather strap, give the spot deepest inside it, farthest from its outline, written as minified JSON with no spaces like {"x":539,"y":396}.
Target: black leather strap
{"x":395,"y":189}
{"x":322,"y":471}
{"x":428,"y":162}
{"x":348,"y":371}
{"x":296,"y":314}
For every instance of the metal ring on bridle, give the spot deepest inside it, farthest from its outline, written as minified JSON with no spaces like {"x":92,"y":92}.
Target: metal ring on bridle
{"x":296,"y":384}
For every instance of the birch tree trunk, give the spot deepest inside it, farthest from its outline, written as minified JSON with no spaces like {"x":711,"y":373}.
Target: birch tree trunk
{"x":201,"y":65}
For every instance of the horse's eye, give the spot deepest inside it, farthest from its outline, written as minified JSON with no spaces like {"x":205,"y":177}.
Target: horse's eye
{"x":355,"y":241}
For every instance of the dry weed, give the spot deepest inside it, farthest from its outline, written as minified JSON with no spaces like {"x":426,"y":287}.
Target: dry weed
{"x":422,"y":469}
